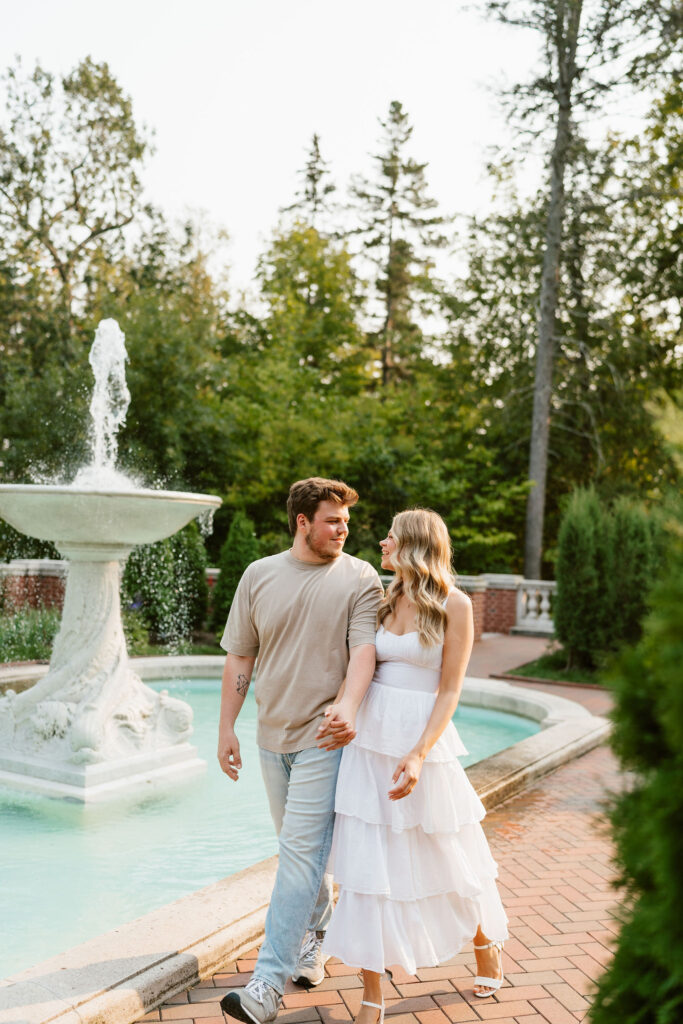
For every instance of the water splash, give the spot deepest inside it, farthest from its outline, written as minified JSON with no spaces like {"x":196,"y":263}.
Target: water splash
{"x":205,"y":522}
{"x":108,"y":408}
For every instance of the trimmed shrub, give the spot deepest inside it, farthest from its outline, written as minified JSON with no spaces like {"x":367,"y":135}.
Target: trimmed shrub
{"x":582,"y":559}
{"x":606,"y":561}
{"x":240,"y":549}
{"x":633,"y":566}
{"x":644,"y":981}
{"x":166,"y":583}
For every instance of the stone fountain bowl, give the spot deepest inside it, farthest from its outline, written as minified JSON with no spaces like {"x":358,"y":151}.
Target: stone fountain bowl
{"x":70,"y":516}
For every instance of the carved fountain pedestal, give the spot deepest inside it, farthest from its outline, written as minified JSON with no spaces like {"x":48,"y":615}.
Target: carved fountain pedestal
{"x":91,"y":728}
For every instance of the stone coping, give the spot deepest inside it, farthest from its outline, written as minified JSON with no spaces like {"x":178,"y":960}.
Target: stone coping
{"x":118,"y":977}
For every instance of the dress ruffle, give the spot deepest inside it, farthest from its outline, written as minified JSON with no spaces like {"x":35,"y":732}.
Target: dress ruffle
{"x":375,"y":932}
{"x":410,"y":865}
{"x":391,"y":720}
{"x":443,"y":801}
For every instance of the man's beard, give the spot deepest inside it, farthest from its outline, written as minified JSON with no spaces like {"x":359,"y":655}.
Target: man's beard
{"x":321,"y":552}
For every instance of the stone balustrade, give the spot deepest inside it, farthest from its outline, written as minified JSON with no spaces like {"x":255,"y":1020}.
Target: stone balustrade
{"x":534,"y":607}
{"x":502,"y":602}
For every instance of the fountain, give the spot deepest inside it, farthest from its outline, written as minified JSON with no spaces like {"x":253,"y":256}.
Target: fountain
{"x":90,"y":728}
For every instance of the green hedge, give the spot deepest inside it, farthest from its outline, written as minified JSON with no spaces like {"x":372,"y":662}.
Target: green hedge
{"x":166,"y":583}
{"x":607,"y":558}
{"x":644,"y":981}
{"x":240,"y":549}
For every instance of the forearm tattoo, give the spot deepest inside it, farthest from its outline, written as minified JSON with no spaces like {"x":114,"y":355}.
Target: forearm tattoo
{"x":242,"y":685}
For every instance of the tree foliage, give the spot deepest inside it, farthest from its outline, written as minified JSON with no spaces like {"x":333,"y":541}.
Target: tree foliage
{"x":355,"y":360}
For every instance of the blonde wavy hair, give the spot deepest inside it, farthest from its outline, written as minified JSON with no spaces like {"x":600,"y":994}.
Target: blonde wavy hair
{"x":422,"y":563}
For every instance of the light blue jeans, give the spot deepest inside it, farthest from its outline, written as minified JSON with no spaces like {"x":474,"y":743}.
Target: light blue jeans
{"x":300,"y":789}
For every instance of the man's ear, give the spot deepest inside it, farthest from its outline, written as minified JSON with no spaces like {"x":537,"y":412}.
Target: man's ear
{"x":301,"y":520}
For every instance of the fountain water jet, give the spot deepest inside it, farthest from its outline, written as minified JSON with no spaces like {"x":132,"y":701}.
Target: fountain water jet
{"x":90,"y":728}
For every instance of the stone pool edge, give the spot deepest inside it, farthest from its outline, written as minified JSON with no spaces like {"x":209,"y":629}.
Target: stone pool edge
{"x":119,"y":976}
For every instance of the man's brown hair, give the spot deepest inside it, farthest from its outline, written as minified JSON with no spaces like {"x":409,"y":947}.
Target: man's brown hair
{"x":306,"y":495}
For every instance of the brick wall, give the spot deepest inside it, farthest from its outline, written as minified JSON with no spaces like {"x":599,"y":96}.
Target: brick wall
{"x":479,"y":599}
{"x":40,"y":582}
{"x":501,"y":611}
{"x":33,"y":583}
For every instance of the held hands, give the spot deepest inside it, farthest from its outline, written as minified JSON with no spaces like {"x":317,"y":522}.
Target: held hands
{"x":337,"y":728}
{"x":409,"y":767}
{"x":229,"y":754}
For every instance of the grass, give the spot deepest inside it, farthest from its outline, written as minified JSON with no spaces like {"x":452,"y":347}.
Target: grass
{"x":554,"y":666}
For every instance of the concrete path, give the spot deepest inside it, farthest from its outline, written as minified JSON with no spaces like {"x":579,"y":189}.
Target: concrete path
{"x":497,"y":653}
{"x":555,"y":868}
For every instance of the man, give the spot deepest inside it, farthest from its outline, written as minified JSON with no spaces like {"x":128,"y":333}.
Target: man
{"x":309,"y":614}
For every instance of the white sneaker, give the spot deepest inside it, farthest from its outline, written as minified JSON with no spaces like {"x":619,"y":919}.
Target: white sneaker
{"x":256,"y":1003}
{"x":310,"y":967}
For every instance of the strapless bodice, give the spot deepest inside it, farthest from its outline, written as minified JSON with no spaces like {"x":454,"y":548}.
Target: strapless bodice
{"x":403,"y":662}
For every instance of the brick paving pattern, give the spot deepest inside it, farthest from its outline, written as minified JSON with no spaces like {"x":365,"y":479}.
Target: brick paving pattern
{"x":555,"y":871}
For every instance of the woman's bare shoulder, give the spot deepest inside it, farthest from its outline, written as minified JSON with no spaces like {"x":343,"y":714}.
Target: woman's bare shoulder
{"x":458,"y":599}
{"x":458,"y":607}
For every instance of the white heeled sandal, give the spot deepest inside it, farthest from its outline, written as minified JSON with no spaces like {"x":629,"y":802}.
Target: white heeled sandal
{"x":378,"y":1006}
{"x":492,"y":983}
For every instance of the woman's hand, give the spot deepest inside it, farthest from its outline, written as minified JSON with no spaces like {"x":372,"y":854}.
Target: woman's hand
{"x":409,"y":767}
{"x":338,"y":726}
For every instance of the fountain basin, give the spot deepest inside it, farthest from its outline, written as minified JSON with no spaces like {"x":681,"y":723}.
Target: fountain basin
{"x":114,"y":519}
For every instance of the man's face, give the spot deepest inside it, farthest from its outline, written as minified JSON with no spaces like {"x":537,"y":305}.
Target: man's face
{"x":326,"y":532}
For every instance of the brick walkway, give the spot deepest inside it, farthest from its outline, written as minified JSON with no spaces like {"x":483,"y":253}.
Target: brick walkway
{"x":554,"y":862}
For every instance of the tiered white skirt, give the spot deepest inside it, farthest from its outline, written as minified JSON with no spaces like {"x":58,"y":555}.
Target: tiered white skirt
{"x":416,"y":875}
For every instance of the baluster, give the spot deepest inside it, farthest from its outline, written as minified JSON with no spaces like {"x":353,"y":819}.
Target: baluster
{"x":532,"y":604}
{"x":544,"y":616}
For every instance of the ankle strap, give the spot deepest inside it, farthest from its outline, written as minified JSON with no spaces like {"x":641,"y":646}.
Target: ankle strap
{"x":378,"y":1006}
{"x":498,"y":945}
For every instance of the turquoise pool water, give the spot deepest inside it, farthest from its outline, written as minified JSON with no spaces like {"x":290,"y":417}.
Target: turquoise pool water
{"x":69,"y":872}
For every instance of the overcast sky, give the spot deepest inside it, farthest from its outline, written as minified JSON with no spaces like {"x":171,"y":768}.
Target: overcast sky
{"x":234,"y":91}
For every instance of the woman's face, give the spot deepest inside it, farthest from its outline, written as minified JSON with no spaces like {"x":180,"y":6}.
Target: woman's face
{"x":388,"y":547}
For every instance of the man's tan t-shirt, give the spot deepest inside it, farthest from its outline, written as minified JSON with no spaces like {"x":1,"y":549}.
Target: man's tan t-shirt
{"x":301,"y":619}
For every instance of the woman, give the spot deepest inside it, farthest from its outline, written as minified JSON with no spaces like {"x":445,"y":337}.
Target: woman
{"x":416,"y":877}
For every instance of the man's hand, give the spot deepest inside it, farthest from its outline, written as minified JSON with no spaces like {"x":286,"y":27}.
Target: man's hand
{"x":410,"y":768}
{"x":229,"y":754}
{"x":337,"y":728}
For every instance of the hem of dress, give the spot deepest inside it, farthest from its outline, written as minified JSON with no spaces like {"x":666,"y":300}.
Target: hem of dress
{"x":407,"y":967}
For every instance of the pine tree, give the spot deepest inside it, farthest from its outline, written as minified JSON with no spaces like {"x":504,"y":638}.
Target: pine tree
{"x":313,"y":198}
{"x":400,"y":231}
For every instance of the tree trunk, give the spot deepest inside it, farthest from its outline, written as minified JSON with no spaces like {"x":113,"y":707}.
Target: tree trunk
{"x":565,"y":44}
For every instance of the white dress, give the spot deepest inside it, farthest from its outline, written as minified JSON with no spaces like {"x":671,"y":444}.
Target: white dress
{"x":416,"y":875}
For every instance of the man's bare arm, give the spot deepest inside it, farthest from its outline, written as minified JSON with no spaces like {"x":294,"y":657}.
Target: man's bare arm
{"x":236,"y":678}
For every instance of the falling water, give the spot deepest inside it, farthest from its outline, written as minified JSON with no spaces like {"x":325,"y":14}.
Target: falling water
{"x":108,"y":407}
